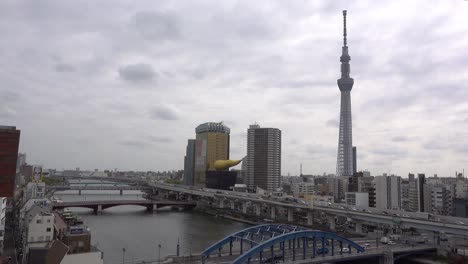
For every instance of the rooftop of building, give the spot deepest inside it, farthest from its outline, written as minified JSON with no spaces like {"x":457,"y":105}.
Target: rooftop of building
{"x":212,"y":127}
{"x":69,"y":222}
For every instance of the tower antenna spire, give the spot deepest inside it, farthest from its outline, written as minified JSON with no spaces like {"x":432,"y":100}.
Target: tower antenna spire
{"x":344,"y":28}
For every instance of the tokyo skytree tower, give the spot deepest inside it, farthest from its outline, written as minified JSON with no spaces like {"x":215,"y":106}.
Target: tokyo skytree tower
{"x":344,"y":163}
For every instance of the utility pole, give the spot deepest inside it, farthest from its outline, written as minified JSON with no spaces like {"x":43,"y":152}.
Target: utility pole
{"x":159,"y":253}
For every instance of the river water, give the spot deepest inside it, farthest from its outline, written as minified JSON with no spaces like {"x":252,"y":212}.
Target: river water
{"x":140,"y":232}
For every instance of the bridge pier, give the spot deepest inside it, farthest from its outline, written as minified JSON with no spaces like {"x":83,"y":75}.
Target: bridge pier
{"x":258,"y":209}
{"x":310,"y":218}
{"x":221,"y":203}
{"x":331,"y":220}
{"x":273,"y":213}
{"x":121,"y":191}
{"x":98,"y":209}
{"x":232,"y":204}
{"x":244,"y":207}
{"x":358,"y":227}
{"x":79,"y":192}
{"x":387,"y":258}
{"x":290,"y":214}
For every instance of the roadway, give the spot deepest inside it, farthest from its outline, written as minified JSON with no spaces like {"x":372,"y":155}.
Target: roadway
{"x":449,"y":225}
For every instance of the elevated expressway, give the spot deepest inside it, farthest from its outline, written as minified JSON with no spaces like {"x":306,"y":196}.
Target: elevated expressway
{"x":359,"y":217}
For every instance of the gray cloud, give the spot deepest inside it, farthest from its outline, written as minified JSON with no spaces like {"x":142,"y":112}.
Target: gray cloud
{"x":162,"y":139}
{"x":64,"y":67}
{"x":319,"y":150}
{"x":156,"y":25}
{"x":164,"y":112}
{"x":390,"y":151}
{"x":435,"y":145}
{"x":402,"y":139}
{"x":333,"y":123}
{"x":139,"y":72}
{"x":134,"y":143}
{"x":272,"y":62}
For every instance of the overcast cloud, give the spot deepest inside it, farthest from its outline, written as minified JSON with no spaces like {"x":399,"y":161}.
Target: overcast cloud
{"x":123,"y":84}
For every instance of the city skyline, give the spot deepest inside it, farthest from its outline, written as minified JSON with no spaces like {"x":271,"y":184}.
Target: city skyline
{"x":108,"y":89}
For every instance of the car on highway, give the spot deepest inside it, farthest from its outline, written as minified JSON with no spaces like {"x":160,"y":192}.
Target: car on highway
{"x":322,"y":251}
{"x":391,"y":242}
{"x":367,"y":245}
{"x":460,"y":223}
{"x":344,"y":250}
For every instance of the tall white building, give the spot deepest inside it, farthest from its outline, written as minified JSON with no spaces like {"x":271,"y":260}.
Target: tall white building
{"x":34,"y":190}
{"x":358,"y":199}
{"x":263,"y":158}
{"x":300,"y":189}
{"x":461,"y":189}
{"x":36,"y":224}
{"x":388,"y":192}
{"x":438,"y":199}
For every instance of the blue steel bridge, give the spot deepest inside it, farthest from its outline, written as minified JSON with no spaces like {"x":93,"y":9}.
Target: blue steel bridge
{"x":271,"y":243}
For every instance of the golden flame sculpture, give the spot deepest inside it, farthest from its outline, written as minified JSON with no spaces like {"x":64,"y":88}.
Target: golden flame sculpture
{"x":225,"y":164}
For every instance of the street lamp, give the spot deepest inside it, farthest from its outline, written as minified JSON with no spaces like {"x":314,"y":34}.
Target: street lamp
{"x":159,"y":253}
{"x":123,"y":255}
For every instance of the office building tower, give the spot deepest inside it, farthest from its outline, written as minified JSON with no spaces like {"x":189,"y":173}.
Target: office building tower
{"x":212,"y":144}
{"x":21,"y":161}
{"x":216,"y":136}
{"x":263,"y":158}
{"x":413,"y":194}
{"x":9,"y":143}
{"x":189,"y":163}
{"x":344,"y":164}
{"x":420,"y":185}
{"x":388,"y":192}
{"x":410,"y":177}
{"x":405,"y":194}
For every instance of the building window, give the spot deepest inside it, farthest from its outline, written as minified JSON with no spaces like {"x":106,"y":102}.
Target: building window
{"x":48,"y":220}
{"x":48,"y":229}
{"x":38,"y":221}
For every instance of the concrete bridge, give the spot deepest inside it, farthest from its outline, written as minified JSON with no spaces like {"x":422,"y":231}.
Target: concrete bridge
{"x":98,"y":206}
{"x":97,"y":187}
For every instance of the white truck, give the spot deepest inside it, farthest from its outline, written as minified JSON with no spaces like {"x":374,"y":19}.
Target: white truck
{"x":384,"y":240}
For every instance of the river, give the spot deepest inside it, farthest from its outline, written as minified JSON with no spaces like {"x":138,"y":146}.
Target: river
{"x":140,"y":232}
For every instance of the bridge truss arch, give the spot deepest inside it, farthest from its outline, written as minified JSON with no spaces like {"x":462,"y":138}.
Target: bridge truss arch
{"x":279,"y":238}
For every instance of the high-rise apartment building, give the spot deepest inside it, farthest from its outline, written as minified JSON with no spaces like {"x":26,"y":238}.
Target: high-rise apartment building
{"x":344,"y":163}
{"x":212,"y":144}
{"x":438,"y":199}
{"x":9,"y":143}
{"x":388,"y":192}
{"x":263,"y":158}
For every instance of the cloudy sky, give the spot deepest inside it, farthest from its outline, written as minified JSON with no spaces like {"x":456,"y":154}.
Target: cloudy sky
{"x":123,"y":84}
